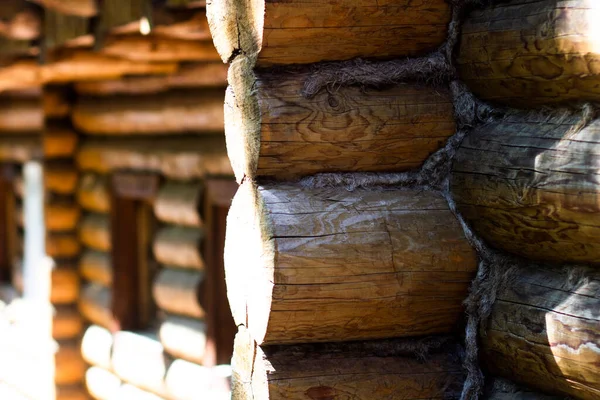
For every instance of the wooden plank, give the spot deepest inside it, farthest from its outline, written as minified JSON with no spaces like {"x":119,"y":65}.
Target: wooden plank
{"x":179,"y":247}
{"x":92,"y":193}
{"x":529,"y":185}
{"x":544,"y":331}
{"x":177,"y":291}
{"x":308,"y":31}
{"x":317,"y":265}
{"x":179,"y":203}
{"x":369,"y":370}
{"x":94,"y":232}
{"x":532,"y":53}
{"x":174,"y":112}
{"x":273,"y":131}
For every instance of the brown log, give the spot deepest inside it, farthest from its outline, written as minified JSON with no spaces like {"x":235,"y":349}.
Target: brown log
{"x":21,"y":115}
{"x":176,"y":291}
{"x":22,"y":74}
{"x":369,"y":370}
{"x":60,"y":178}
{"x":132,"y":350}
{"x":70,"y":367}
{"x":55,"y":102}
{"x":304,"y":32}
{"x":310,"y":265}
{"x":185,"y":380}
{"x":94,"y":305}
{"x":95,"y":267}
{"x":195,"y":75}
{"x":176,"y":158}
{"x":20,"y":149}
{"x":184,"y":338}
{"x":155,"y":49}
{"x":92,"y":193}
{"x":71,"y":392}
{"x":61,"y":215}
{"x":59,"y":141}
{"x":179,"y":203}
{"x":273,"y":131}
{"x":94,"y":232}
{"x":96,"y":347}
{"x":528,"y":185}
{"x":544,"y":331}
{"x":19,"y":20}
{"x":65,"y":285}
{"x":179,"y":247}
{"x":102,"y":384}
{"x":82,"y":8}
{"x":528,"y":54}
{"x":175,"y":112}
{"x":67,"y":323}
{"x":62,"y":245}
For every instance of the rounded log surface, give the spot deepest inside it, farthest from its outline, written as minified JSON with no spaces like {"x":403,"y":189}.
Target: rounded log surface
{"x":179,"y":247}
{"x":20,"y":149}
{"x":544,"y":331}
{"x":308,"y":31}
{"x":70,"y":367}
{"x":21,"y":115}
{"x":92,"y":193}
{"x":94,"y":305}
{"x":55,"y":102}
{"x":67,"y":323}
{"x":184,"y":338}
{"x":179,"y":203}
{"x":185,"y":380}
{"x":60,"y":178}
{"x":275,"y":132}
{"x":176,"y":291}
{"x":530,"y":53}
{"x":181,"y":158}
{"x":62,"y":245}
{"x":59,"y":142}
{"x":94,"y":232}
{"x":71,"y":392}
{"x":173,"y":112}
{"x":102,"y":384}
{"x":96,"y":347}
{"x":528,"y":184}
{"x":65,"y":285}
{"x":157,"y":49}
{"x":310,"y":265}
{"x":95,"y":266}
{"x":61,"y":216}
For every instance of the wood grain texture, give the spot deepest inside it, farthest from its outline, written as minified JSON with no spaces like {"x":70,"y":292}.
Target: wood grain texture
{"x":94,"y":305}
{"x":308,"y":31}
{"x":59,"y":141}
{"x":94,"y":232}
{"x":179,"y":203}
{"x":95,"y":266}
{"x":339,"y":371}
{"x":176,"y":291}
{"x":96,"y":346}
{"x":70,"y":367}
{"x":530,"y":53}
{"x":102,"y":384}
{"x":529,"y":185}
{"x":67,"y":323}
{"x":179,"y":246}
{"x":176,"y":158}
{"x":92,"y":193}
{"x":310,"y":265}
{"x":183,"y":338}
{"x":190,"y":75}
{"x":174,"y":112}
{"x":545,"y":332}
{"x":62,"y":245}
{"x":275,"y":132}
{"x":19,"y":115}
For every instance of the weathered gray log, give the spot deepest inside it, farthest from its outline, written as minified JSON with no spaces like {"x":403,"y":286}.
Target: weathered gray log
{"x":544,"y":331}
{"x":95,"y":266}
{"x":179,"y":203}
{"x":179,"y":247}
{"x":529,"y":184}
{"x":95,"y":305}
{"x":184,"y":338}
{"x":176,"y":291}
{"x":306,"y":265}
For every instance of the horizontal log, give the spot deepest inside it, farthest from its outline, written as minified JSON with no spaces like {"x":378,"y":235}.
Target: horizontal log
{"x":20,"y":149}
{"x":55,"y":102}
{"x":96,"y":347}
{"x":19,"y":20}
{"x":528,"y":184}
{"x":176,"y":158}
{"x":19,"y":115}
{"x":179,"y":203}
{"x":61,"y":215}
{"x":154,"y":49}
{"x":70,"y":367}
{"x":60,"y":177}
{"x":102,"y":384}
{"x":179,"y":247}
{"x":370,"y":370}
{"x":94,"y":232}
{"x":527,"y":54}
{"x":176,"y":291}
{"x":95,"y":305}
{"x":67,"y":323}
{"x":92,"y":193}
{"x":369,"y":264}
{"x":544,"y":331}
{"x":130,"y":350}
{"x":174,"y":112}
{"x":82,"y":8}
{"x":65,"y":285}
{"x":184,"y":338}
{"x":273,"y":131}
{"x":188,"y":24}
{"x":62,"y":245}
{"x":71,"y":392}
{"x":194,"y":75}
{"x":95,"y":266}
{"x":304,"y":32}
{"x":185,"y":380}
{"x":59,"y":141}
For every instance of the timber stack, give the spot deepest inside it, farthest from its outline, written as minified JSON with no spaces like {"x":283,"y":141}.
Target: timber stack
{"x":363,"y":217}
